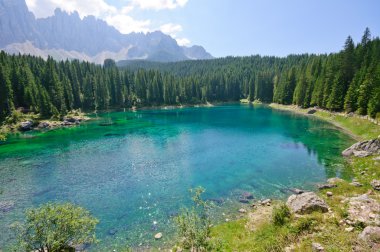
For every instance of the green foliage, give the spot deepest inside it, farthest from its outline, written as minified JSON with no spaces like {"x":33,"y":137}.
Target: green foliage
{"x":53,"y":227}
{"x":194,"y":225}
{"x":348,"y":80}
{"x":281,"y":215}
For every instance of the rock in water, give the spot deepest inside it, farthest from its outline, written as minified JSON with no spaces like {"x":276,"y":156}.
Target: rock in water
{"x":375,"y":184}
{"x":363,"y":210}
{"x":112,"y":231}
{"x":6,"y":206}
{"x":306,"y":203}
{"x":363,"y":149}
{"x":247,"y":195}
{"x":158,"y":236}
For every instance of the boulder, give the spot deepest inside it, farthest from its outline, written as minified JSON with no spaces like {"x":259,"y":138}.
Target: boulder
{"x":306,"y":203}
{"x":363,"y":210}
{"x":27,"y":125}
{"x":266,"y":202}
{"x":296,"y":190}
{"x":242,"y":210}
{"x":329,"y":194}
{"x":363,"y":149}
{"x":361,"y":153}
{"x":43,"y":125}
{"x":375,"y":184}
{"x":356,"y":184}
{"x":311,"y":111}
{"x":316,"y":247}
{"x":335,"y":180}
{"x":326,"y":186}
{"x":371,"y":235}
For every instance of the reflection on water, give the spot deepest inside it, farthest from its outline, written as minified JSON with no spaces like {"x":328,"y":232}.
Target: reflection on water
{"x":133,"y":169}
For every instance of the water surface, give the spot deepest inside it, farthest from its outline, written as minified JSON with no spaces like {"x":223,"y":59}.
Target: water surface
{"x":131,"y":169}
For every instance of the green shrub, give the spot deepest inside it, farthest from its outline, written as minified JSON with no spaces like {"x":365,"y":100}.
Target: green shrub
{"x":303,"y":224}
{"x":194,"y":224}
{"x":280,"y":215}
{"x":55,"y":227}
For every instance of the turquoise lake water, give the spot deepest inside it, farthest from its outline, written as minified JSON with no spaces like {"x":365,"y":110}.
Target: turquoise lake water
{"x":131,"y":169}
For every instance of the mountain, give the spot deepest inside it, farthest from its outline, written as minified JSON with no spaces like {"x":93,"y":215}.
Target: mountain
{"x":67,"y":36}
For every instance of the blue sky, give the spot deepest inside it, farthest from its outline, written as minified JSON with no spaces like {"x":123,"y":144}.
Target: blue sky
{"x":237,"y":27}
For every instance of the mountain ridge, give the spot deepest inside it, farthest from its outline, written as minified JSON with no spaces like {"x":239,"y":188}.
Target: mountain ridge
{"x":67,"y":36}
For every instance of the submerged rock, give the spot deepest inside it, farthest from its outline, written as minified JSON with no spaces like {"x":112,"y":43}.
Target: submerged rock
{"x":158,"y":236}
{"x":246,"y":195}
{"x":6,"y":206}
{"x":375,"y":184}
{"x":112,"y":232}
{"x":363,"y":149}
{"x":306,"y":203}
{"x":243,"y":200}
{"x":363,"y":210}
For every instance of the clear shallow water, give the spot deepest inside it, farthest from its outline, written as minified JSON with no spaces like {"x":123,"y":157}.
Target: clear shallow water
{"x":133,"y":168}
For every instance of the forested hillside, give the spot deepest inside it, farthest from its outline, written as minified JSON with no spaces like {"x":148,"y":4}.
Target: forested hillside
{"x":348,"y":80}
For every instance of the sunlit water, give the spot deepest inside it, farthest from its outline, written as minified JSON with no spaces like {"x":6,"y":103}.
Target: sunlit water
{"x":131,"y":169}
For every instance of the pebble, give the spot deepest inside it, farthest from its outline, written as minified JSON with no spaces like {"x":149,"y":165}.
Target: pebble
{"x":349,"y":229}
{"x":158,"y":236}
{"x":242,"y":210}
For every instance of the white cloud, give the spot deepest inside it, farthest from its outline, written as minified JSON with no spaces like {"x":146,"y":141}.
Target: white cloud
{"x":126,"y":24}
{"x":183,"y":41}
{"x":159,"y":4}
{"x":171,"y":29}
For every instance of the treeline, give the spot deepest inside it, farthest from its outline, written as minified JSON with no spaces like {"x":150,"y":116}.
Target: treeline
{"x":348,"y":80}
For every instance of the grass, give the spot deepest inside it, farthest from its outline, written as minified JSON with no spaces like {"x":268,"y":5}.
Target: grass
{"x":301,"y":232}
{"x":360,"y":127}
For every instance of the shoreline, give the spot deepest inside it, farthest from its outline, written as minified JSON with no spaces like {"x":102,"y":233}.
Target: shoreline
{"x":343,"y":219}
{"x":297,"y":110}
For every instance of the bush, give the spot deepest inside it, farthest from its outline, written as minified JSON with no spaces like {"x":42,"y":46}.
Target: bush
{"x":55,"y":227}
{"x":194,"y":225}
{"x":280,"y":215}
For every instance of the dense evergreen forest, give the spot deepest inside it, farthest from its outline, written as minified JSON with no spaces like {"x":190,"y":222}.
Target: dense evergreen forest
{"x":345,"y":81}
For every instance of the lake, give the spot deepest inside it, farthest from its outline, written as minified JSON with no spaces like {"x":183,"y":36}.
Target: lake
{"x":131,"y":169}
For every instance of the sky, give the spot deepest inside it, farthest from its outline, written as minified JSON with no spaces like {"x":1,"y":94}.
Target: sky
{"x":235,"y":27}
